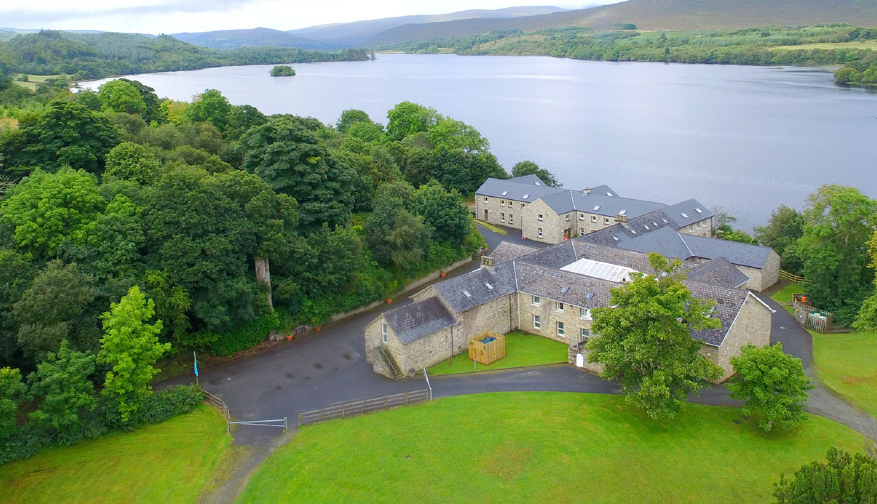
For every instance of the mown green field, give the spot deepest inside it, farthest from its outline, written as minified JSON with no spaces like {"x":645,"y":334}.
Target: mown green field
{"x":170,"y":462}
{"x":847,"y":363}
{"x":522,"y":350}
{"x":539,"y":447}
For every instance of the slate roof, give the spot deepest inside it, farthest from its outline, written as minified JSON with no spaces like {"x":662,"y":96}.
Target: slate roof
{"x":688,"y":212}
{"x":507,"y":251}
{"x":612,"y":255}
{"x":516,"y":188}
{"x":475,"y":283}
{"x":718,"y":271}
{"x":412,"y":322}
{"x":557,"y":285}
{"x":670,"y":243}
{"x":599,"y":203}
{"x":741,"y":254}
{"x":556,"y":256}
{"x":728,"y":305}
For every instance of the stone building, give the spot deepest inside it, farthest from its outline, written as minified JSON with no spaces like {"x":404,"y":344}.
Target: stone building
{"x":551,"y":292}
{"x":552,"y":214}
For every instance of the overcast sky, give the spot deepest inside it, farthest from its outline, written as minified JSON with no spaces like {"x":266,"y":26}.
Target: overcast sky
{"x":174,"y":16}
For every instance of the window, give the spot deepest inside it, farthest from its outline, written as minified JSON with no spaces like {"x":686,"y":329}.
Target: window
{"x":511,"y":218}
{"x":593,"y":218}
{"x":558,"y":306}
{"x":539,"y":217}
{"x":581,"y":216}
{"x":502,"y":217}
{"x":606,"y":220}
{"x":502,"y":202}
{"x":585,"y":333}
{"x":540,"y":232}
{"x":537,"y":323}
{"x":567,"y":217}
{"x":536,"y":300}
{"x":384,"y":332}
{"x":581,"y":231}
{"x":586,"y":313}
{"x":523,"y":204}
{"x":485,"y":200}
{"x":560,"y":328}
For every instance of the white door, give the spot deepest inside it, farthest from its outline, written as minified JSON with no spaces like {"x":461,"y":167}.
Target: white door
{"x":580,"y":360}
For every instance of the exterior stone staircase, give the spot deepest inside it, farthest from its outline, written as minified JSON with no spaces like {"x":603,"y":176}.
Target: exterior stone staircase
{"x":389,"y":363}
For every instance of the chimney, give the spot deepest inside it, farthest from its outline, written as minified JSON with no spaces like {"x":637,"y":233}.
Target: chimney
{"x":586,"y":191}
{"x":487,"y":263}
{"x":621,"y":219}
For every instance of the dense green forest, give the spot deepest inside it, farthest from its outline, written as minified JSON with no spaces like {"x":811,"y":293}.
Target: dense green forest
{"x":95,"y":56}
{"x":770,"y":45}
{"x":103,"y":191}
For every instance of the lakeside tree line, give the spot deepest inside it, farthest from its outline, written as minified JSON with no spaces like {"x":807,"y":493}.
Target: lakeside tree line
{"x":118,"y":204}
{"x":769,"y":45}
{"x":95,"y":56}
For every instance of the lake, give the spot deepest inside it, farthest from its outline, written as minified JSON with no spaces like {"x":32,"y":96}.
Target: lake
{"x":745,"y":139}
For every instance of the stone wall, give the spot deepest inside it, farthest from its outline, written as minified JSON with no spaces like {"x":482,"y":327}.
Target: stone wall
{"x":595,"y":368}
{"x":498,"y":315}
{"x":551,"y":224}
{"x":761,"y":279}
{"x":752,"y":326}
{"x":429,"y":350}
{"x":700,"y":228}
{"x":373,"y":340}
{"x":500,"y":211}
{"x":549,"y":316}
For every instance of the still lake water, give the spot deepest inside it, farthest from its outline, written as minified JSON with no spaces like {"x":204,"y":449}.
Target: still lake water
{"x":746,"y":139}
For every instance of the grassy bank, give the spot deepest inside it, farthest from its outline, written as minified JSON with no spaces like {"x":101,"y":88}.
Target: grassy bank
{"x":539,"y":447}
{"x":522,"y":350}
{"x":168,"y":463}
{"x":847,"y":363}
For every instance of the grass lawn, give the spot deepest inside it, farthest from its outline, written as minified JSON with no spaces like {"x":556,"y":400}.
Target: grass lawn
{"x":490,"y":227}
{"x":167,"y":463}
{"x":785,"y":295}
{"x":847,"y":363}
{"x":521,"y":349}
{"x":530,"y":447}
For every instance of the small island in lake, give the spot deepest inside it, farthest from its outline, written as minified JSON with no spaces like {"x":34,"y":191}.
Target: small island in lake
{"x":282,"y":71}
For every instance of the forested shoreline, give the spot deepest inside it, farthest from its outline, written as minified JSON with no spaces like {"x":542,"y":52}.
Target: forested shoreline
{"x":96,"y":56}
{"x":770,"y":45}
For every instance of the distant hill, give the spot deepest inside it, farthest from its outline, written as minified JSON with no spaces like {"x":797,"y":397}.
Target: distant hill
{"x":653,"y":15}
{"x":233,"y":39}
{"x":359,"y":32}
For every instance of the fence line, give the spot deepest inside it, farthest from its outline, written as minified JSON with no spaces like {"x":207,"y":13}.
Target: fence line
{"x":363,"y":406}
{"x":789,"y":277}
{"x":217,"y":403}
{"x":260,"y":423}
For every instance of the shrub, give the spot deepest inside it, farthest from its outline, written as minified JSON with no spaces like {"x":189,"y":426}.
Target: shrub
{"x":244,"y":337}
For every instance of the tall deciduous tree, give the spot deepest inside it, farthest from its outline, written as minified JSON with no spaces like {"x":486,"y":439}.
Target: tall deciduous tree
{"x":12,"y":391}
{"x":443,"y":211}
{"x":121,"y":96}
{"x":289,"y":156}
{"x":645,"y":340}
{"x":772,"y":383}
{"x":866,"y":320}
{"x":785,"y":227}
{"x":62,"y":381}
{"x":49,"y":209}
{"x":396,"y":237}
{"x":210,"y":106}
{"x":838,"y":223}
{"x":56,"y":307}
{"x":130,"y":347}
{"x":131,"y":161}
{"x":67,"y":133}
{"x":524,"y":168}
{"x":408,"y":118}
{"x":843,"y":478}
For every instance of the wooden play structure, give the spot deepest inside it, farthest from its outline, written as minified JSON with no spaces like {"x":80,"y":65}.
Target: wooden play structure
{"x":487,"y":348}
{"x":811,"y":317}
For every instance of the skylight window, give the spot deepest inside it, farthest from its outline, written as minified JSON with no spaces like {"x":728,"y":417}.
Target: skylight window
{"x":590,"y":295}
{"x":609,"y":194}
{"x":699,"y":210}
{"x":487,"y":284}
{"x":564,"y":290}
{"x":646,"y":226}
{"x":537,"y":183}
{"x":665,"y":221}
{"x":632,"y":231}
{"x":504,"y":193}
{"x":526,"y":196}
{"x":622,"y":212}
{"x":684,"y":215}
{"x":466,"y":293}
{"x":596,"y":207}
{"x":615,"y":238}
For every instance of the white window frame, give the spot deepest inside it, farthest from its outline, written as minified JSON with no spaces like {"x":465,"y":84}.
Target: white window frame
{"x":560,"y":328}
{"x":585,"y":314}
{"x":485,"y":200}
{"x":537,"y":322}
{"x":567,"y":217}
{"x":606,"y":220}
{"x":540,"y":232}
{"x":558,"y":306}
{"x":586,"y":333}
{"x":384,"y":332}
{"x":502,"y":202}
{"x":539,"y":217}
{"x":511,"y":218}
{"x":536,"y":300}
{"x":502,"y":217}
{"x":593,"y":218}
{"x":581,"y":216}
